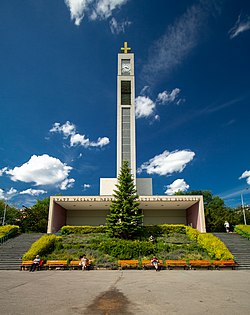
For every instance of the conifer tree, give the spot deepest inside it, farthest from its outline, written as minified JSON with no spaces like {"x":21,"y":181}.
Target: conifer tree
{"x":125,"y":216}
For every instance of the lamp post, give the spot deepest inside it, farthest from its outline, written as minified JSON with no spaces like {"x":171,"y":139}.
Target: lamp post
{"x":5,"y":209}
{"x":4,"y":213}
{"x":243,"y":208}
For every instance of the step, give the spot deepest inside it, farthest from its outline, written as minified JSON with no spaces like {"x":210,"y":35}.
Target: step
{"x":238,"y":246}
{"x":11,"y":251}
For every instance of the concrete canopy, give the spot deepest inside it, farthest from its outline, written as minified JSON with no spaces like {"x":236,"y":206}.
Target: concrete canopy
{"x":92,"y":210}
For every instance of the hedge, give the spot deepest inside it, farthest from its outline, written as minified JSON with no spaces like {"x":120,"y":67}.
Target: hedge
{"x":43,"y":246}
{"x":155,"y":230}
{"x":215,"y":248}
{"x":67,"y":229}
{"x":127,"y":249}
{"x":192,"y":233}
{"x":243,"y":230}
{"x":14,"y":229}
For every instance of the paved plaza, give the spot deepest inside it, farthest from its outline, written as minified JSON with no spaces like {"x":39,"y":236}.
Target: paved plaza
{"x":125,"y":292}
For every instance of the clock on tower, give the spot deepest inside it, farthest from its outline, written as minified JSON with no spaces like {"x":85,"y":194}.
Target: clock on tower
{"x":125,"y":67}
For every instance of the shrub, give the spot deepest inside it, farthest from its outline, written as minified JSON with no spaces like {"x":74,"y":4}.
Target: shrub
{"x":173,"y":228}
{"x":192,"y":233}
{"x":215,"y":248}
{"x":13,"y":229}
{"x":158,"y":230}
{"x":243,"y":230}
{"x":127,"y":249}
{"x":65,"y":230}
{"x":43,"y":246}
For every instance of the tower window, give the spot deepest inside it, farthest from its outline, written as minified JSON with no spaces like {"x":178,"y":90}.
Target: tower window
{"x":126,"y":134}
{"x":126,"y":92}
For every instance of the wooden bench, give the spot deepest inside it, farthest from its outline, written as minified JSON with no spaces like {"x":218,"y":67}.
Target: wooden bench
{"x":26,"y":264}
{"x":56,"y":264}
{"x":176,"y":264}
{"x":146,"y":264}
{"x":224,"y":264}
{"x":200,"y":264}
{"x":76,"y":264}
{"x":128,"y":263}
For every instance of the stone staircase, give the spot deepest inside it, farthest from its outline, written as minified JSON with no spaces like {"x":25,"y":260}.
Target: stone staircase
{"x":238,"y":246}
{"x":12,"y":250}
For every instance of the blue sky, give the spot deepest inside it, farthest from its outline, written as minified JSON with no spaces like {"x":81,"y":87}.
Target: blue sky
{"x":58,"y":73}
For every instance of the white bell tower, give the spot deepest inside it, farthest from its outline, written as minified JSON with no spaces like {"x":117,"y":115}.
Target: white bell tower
{"x":126,"y":145}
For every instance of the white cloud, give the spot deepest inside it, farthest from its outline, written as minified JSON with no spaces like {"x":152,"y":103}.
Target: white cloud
{"x":12,"y":191}
{"x":41,"y":170}
{"x":246,"y":175}
{"x":77,"y":9}
{"x":157,"y":117}
{"x":103,"y":8}
{"x":69,"y":130}
{"x":2,"y":194}
{"x":145,"y":90}
{"x":144,"y":107}
{"x":86,"y":186}
{"x":94,"y":9}
{"x":79,"y":139}
{"x":33,"y":192}
{"x":168,"y":97}
{"x":67,"y":183}
{"x":3,"y":170}
{"x":100,"y":142}
{"x":7,"y":194}
{"x":239,"y":27}
{"x":118,"y":27}
{"x":175,"y":45}
{"x":177,"y":185}
{"x":167,"y":162}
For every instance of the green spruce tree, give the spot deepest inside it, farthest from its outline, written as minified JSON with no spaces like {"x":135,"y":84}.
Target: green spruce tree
{"x":125,"y":217}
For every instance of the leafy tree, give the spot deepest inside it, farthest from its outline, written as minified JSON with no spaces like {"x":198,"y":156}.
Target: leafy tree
{"x":216,"y":212}
{"x":12,"y":214}
{"x":35,"y":219}
{"x":125,"y":217}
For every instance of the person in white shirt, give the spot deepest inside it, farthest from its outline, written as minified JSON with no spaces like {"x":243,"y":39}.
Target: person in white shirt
{"x":84,"y":262}
{"x":227,"y":226}
{"x":35,"y":264}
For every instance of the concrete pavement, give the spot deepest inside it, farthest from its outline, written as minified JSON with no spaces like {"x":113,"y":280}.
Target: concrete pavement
{"x":125,"y":292}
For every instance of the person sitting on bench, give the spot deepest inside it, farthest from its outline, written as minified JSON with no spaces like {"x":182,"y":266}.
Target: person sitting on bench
{"x":35,"y":264}
{"x":84,"y":262}
{"x":155,"y":263}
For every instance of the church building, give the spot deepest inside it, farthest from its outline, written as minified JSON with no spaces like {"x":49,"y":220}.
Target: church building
{"x":92,"y":210}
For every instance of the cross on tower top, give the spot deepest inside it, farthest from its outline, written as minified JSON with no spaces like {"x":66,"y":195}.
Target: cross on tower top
{"x":125,"y":49}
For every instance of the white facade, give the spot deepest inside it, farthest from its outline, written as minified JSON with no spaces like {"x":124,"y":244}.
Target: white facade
{"x":143,"y":186}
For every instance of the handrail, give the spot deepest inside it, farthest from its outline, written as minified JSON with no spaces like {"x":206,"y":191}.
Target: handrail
{"x":7,"y":236}
{"x":242,"y":231}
